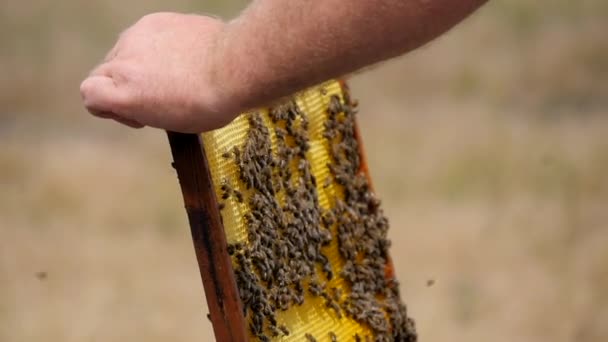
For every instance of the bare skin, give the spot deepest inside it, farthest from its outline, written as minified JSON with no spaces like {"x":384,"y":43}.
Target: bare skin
{"x":191,"y":73}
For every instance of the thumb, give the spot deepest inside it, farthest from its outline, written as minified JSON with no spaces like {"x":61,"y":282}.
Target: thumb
{"x":100,"y":94}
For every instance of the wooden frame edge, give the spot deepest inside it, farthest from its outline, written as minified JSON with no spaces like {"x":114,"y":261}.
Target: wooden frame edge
{"x":209,"y":237}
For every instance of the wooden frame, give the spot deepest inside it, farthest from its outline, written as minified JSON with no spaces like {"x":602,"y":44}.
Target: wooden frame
{"x":209,"y":238}
{"x":208,"y":234}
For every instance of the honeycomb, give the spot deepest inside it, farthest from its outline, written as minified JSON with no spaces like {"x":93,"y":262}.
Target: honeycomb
{"x":306,"y":234}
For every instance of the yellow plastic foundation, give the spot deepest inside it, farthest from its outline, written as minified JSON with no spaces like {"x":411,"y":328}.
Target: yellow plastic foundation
{"x":313,"y":316}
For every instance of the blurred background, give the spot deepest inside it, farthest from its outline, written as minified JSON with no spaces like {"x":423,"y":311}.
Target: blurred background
{"x":488,"y":147}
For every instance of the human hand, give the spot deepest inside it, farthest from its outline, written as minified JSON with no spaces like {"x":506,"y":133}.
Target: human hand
{"x":163,"y":72}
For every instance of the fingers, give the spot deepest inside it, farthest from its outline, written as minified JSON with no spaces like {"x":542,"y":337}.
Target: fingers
{"x":104,"y":97}
{"x":103,"y":115}
{"x":100,"y":94}
{"x":127,"y":122}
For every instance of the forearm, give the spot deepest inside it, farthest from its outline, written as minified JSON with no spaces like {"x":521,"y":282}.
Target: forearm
{"x":276,"y":47}
{"x":191,"y":73}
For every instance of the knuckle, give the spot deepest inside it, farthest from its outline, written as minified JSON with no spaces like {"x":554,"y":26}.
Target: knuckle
{"x":121,"y":72}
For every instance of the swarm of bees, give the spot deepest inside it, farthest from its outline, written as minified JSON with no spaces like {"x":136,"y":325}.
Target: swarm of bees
{"x":284,"y":258}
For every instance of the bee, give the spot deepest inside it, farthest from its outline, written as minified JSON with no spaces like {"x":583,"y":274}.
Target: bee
{"x":243,"y":259}
{"x":328,"y":272}
{"x":225,"y":187}
{"x":328,"y":218}
{"x":333,"y":305}
{"x":41,"y":275}
{"x":291,"y":130}
{"x":303,"y":146}
{"x":284,"y":330}
{"x":263,"y":338}
{"x":236,"y":153}
{"x":298,"y":299}
{"x":238,"y":195}
{"x":312,"y":251}
{"x":280,"y":133}
{"x":284,"y":300}
{"x":315,"y":288}
{"x":335,"y":106}
{"x":337,"y":293}
{"x":327,"y":183}
{"x":310,"y":338}
{"x":333,"y":337}
{"x":221,"y":206}
{"x":274,"y":331}
{"x":226,"y":155}
{"x":257,"y":324}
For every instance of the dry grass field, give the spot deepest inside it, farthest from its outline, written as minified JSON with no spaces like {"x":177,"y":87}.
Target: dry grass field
{"x":488,"y":147}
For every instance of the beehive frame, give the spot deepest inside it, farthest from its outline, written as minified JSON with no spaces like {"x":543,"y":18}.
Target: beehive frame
{"x":209,"y":234}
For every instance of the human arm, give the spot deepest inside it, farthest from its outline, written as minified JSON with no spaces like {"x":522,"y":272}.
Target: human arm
{"x":193,"y":73}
